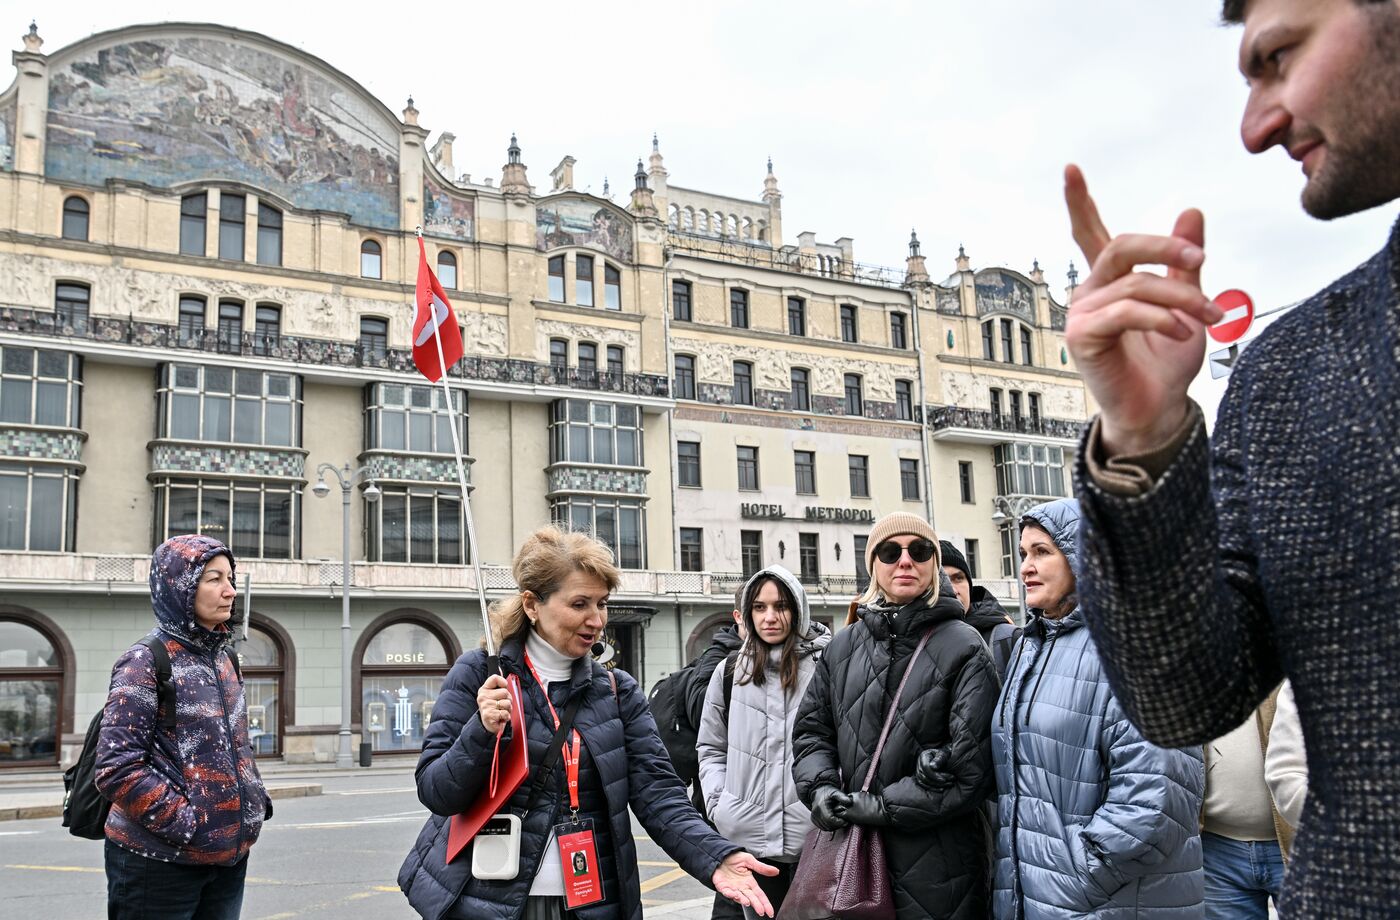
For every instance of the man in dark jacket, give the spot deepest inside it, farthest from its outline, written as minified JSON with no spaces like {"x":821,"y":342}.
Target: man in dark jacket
{"x":1213,"y":571}
{"x":982,"y":611}
{"x":187,"y":804}
{"x":935,"y":838}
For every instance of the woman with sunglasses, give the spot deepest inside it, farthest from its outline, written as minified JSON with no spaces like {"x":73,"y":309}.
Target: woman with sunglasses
{"x":935,"y":770}
{"x":1094,"y":821}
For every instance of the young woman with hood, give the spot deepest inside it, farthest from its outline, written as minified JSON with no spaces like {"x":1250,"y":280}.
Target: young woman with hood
{"x":1094,"y":821}
{"x":188,"y":803}
{"x":746,"y":746}
{"x":935,"y":772}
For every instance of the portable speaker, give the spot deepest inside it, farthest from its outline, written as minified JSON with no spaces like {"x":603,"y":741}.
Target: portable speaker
{"x":496,"y":849}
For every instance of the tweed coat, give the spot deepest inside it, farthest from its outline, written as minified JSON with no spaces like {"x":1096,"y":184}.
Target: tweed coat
{"x":1093,"y":819}
{"x":192,"y":795}
{"x":622,"y":763}
{"x":1275,"y":554}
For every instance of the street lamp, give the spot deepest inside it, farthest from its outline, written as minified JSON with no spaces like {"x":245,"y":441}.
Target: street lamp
{"x":1008,"y":511}
{"x":347,"y":479}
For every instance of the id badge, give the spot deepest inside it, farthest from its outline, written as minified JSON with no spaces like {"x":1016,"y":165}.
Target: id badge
{"x":578,"y":859}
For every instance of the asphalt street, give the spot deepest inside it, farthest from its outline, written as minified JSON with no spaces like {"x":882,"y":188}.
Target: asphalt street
{"x":335,"y":855}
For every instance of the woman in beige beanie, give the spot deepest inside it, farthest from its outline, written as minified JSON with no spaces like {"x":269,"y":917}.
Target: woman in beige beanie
{"x":936,"y":767}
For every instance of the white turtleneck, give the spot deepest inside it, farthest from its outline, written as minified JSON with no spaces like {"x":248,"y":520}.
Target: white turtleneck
{"x":553,"y":667}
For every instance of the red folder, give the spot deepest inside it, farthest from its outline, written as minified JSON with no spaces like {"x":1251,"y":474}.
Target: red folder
{"x":510,"y":767}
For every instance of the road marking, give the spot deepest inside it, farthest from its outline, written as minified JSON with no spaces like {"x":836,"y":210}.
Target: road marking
{"x":16,"y":833}
{"x":374,"y":791}
{"x":659,"y":863}
{"x":320,"y":825}
{"x":664,"y":878}
{"x":57,"y":868}
{"x":302,"y":912}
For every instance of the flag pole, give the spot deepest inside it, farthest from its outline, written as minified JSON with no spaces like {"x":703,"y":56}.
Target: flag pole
{"x":472,"y":546}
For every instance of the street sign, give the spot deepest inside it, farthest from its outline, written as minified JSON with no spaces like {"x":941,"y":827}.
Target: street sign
{"x":1222,"y":361}
{"x":1239,"y":313}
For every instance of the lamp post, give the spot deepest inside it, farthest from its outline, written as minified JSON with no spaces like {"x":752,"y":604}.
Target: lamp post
{"x":347,"y":479}
{"x":1009,"y":510}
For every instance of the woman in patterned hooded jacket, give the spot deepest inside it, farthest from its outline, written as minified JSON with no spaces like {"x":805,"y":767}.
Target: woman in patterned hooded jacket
{"x":187,"y":804}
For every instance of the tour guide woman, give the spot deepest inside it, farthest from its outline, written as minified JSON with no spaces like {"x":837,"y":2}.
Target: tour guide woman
{"x":545,"y":634}
{"x":936,"y":768}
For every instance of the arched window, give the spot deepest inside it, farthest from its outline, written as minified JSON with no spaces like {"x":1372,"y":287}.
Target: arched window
{"x":75,"y":218}
{"x":447,"y":270}
{"x":34,"y":693}
{"x":402,"y":660}
{"x":267,"y":662}
{"x":703,"y":634}
{"x":371,"y":260}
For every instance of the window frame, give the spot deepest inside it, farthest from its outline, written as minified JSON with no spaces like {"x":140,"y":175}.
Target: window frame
{"x":689,"y":474}
{"x":858,"y":474}
{"x":804,"y":471}
{"x":989,"y":340}
{"x":853,"y":403}
{"x":909,"y":488}
{"x":585,"y":282}
{"x":71,"y":311}
{"x":800,"y":394}
{"x":682,"y":302}
{"x":739,"y":316}
{"x":559,"y":353}
{"x":172,"y":393}
{"x":41,"y":509}
{"x":568,"y":421}
{"x":411,"y":496}
{"x":899,"y":331}
{"x":419,"y":413}
{"x":373,"y":345}
{"x":269,"y":240}
{"x":612,"y":286}
{"x":743,"y":392}
{"x":904,"y":400}
{"x":555,"y":284}
{"x":750,"y":552}
{"x":194,"y":218}
{"x":967,"y":490}
{"x":266,"y":316}
{"x":747,"y":468}
{"x":187,"y":333}
{"x":849,"y":315}
{"x":166,"y":486}
{"x":684,"y":382}
{"x":564,"y":511}
{"x":233,"y":227}
{"x":371,"y":248}
{"x":1008,"y":354}
{"x":690,"y":544}
{"x":797,"y":316}
{"x":70,"y":216}
{"x":809,"y":549}
{"x":1027,"y":349}
{"x":33,"y":382}
{"x":450,"y":258}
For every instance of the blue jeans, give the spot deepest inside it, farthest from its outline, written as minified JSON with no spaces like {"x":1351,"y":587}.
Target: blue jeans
{"x":139,"y":888}
{"x":1241,"y":876}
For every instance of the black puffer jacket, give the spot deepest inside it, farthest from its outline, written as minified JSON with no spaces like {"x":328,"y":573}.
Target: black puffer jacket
{"x":937,"y":843}
{"x":989,"y":618}
{"x":622,"y":763}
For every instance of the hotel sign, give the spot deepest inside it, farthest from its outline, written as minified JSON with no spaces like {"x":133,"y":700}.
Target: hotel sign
{"x":757,"y":511}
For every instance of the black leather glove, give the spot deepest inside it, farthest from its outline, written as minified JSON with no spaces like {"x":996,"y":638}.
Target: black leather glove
{"x":867,"y":808}
{"x":932,"y":769}
{"x":829,"y":806}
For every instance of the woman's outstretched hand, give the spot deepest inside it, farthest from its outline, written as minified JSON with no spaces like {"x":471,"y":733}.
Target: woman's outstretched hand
{"x":735,"y":880}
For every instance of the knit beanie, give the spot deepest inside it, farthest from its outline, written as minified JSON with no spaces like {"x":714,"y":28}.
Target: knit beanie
{"x":894,"y":525}
{"x":950,"y":556}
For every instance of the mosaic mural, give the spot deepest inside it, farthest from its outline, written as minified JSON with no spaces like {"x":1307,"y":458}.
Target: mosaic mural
{"x":948,"y":301}
{"x":578,"y":222}
{"x":170,"y":110}
{"x":28,"y":444}
{"x":999,"y":292}
{"x":230,"y":461}
{"x":400,"y":468}
{"x":444,"y":214}
{"x":589,"y":479}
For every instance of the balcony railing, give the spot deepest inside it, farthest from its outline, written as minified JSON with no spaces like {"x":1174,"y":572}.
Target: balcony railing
{"x":786,"y":259}
{"x":941,"y":417}
{"x":322,"y":352}
{"x":843,"y":587}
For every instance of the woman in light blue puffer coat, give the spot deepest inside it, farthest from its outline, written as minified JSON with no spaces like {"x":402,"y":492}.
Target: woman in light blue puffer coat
{"x":1094,"y":821}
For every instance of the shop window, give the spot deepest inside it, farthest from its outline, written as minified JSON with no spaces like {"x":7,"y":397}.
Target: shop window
{"x":32,"y":688}
{"x":402,"y":662}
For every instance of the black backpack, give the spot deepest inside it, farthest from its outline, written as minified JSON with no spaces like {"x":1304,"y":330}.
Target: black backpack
{"x":667,"y":702}
{"x":84,"y":808}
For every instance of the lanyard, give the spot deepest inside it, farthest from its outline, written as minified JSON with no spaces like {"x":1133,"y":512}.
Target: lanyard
{"x":570,"y":756}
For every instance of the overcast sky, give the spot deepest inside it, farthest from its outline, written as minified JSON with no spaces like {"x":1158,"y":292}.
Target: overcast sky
{"x":952,"y":118}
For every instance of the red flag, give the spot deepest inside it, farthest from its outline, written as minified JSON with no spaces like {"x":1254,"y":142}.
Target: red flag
{"x":433,"y":314}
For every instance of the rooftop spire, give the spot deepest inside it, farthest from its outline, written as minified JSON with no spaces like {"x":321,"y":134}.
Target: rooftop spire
{"x":913,"y":244}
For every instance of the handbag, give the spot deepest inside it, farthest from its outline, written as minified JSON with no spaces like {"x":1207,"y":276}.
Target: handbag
{"x":843,"y":875}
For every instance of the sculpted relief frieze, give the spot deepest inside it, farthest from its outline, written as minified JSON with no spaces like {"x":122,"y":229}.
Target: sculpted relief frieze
{"x":773,"y":369}
{"x":972,"y":391}
{"x":546,"y":329}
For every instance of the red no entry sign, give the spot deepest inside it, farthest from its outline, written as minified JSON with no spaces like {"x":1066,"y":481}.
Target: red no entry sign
{"x":1239,"y":313}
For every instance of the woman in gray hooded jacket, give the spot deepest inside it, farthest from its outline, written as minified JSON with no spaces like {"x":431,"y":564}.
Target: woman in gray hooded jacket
{"x":1094,"y":820}
{"x":745,"y":737}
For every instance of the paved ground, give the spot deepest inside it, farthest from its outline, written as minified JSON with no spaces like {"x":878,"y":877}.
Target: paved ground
{"x":333,"y":855}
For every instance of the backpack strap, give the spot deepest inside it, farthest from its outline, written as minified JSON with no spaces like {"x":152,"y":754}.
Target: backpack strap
{"x":165,"y":686}
{"x":730,"y":661}
{"x":233,"y":660}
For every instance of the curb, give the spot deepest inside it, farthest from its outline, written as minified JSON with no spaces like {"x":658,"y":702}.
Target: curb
{"x":51,"y":810}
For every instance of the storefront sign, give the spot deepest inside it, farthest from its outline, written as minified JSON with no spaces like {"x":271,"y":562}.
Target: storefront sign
{"x":835,"y":515}
{"x":405,"y":658}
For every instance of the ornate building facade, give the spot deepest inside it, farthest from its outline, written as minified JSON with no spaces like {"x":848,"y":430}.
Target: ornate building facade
{"x":207,"y":260}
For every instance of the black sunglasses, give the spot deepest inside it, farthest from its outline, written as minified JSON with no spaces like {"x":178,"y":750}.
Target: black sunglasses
{"x":920,"y":550}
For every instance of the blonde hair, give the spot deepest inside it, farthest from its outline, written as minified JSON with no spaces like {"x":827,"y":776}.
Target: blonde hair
{"x":546,"y":558}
